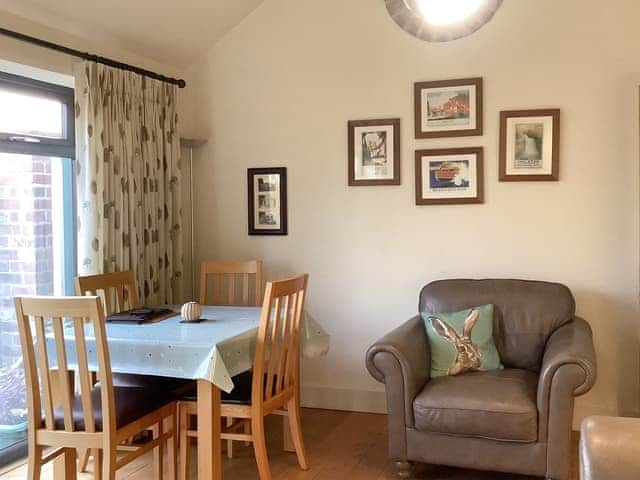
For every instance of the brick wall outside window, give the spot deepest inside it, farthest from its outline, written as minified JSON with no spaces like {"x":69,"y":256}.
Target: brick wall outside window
{"x":26,"y":240}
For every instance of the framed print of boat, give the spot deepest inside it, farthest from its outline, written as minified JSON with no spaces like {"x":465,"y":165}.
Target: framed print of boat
{"x":448,"y":108}
{"x":267,"y":190}
{"x":374,"y":152}
{"x":448,"y":176}
{"x":529,"y":145}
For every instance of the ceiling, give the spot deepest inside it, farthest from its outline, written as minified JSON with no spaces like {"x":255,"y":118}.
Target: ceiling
{"x":172,"y":32}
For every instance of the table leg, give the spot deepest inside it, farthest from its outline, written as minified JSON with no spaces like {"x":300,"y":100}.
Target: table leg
{"x":287,"y":440}
{"x":209,"y":443}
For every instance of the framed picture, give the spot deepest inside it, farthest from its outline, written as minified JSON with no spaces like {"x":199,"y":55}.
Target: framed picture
{"x":267,"y":188}
{"x":529,"y":145}
{"x":374,"y":152}
{"x":448,"y":108}
{"x":448,"y":176}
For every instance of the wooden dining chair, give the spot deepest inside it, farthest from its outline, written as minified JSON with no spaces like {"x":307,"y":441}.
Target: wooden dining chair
{"x":232,"y":283}
{"x":272,"y":387}
{"x":100,"y":416}
{"x":117,"y":290}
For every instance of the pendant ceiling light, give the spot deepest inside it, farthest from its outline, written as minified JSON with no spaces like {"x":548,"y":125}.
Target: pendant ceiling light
{"x":441,"y":20}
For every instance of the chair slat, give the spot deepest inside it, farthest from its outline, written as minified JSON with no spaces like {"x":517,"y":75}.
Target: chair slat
{"x":286,"y":329}
{"x":45,"y":372}
{"x":120,"y":305}
{"x":65,"y":390}
{"x":245,"y":289}
{"x":274,"y":342}
{"x":84,"y":375}
{"x":232,"y":289}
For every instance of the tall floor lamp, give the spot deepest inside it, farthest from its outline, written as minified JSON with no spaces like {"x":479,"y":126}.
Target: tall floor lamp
{"x":191,"y":144}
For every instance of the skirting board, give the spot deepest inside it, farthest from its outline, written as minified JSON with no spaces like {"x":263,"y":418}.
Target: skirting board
{"x":331,"y":398}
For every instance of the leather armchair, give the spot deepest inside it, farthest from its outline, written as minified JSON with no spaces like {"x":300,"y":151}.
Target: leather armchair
{"x":516,"y":420}
{"x":610,"y":448}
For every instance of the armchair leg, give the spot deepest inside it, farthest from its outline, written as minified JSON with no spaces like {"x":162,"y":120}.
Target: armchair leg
{"x":403,"y":469}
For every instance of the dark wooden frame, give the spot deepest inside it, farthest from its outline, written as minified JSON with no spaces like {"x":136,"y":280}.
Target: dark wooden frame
{"x":282,"y":171}
{"x":477,"y":151}
{"x":461,"y":82}
{"x":395,"y":123}
{"x":554,"y":113}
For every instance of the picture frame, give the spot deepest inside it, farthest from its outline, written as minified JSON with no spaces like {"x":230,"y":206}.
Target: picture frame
{"x":374,"y":152}
{"x":267,"y":201}
{"x":529,"y":145}
{"x":448,"y":108}
{"x":448,"y":176}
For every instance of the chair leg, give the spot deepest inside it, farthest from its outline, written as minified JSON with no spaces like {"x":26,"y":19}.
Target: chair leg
{"x":229,"y":442}
{"x":109,"y":464}
{"x":65,"y":465}
{"x":172,"y":444}
{"x":185,"y":443}
{"x":97,"y":463}
{"x":34,"y":466}
{"x":157,"y":452}
{"x":260,"y":447}
{"x":247,"y":430}
{"x":83,"y":459}
{"x":295,"y":424}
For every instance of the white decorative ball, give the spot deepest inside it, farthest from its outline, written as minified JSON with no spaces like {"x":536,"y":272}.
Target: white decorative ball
{"x":191,"y":311}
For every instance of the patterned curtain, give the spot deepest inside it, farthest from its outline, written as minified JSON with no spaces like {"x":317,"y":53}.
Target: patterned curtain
{"x":128,"y":179}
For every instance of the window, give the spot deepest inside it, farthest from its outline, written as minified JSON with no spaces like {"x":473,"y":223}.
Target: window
{"x":37,"y":245}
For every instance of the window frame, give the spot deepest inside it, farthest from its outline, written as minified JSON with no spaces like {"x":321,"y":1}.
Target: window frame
{"x":33,"y":144}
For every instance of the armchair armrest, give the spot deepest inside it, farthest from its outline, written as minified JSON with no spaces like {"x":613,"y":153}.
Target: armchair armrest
{"x":610,"y":448}
{"x":568,"y":370}
{"x":569,"y":345}
{"x":401,"y":360}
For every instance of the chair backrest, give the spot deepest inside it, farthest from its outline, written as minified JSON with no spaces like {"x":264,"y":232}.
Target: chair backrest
{"x":526,"y":312}
{"x":117,"y":290}
{"x":52,"y":318}
{"x":232,"y":282}
{"x":276,"y":366}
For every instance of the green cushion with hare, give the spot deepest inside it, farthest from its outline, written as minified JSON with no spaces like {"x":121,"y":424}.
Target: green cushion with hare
{"x":462,"y":341}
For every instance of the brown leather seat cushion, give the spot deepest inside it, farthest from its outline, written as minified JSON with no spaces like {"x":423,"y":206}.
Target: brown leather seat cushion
{"x":240,"y":395}
{"x":499,"y":405}
{"x":131,"y":403}
{"x":176,"y":385}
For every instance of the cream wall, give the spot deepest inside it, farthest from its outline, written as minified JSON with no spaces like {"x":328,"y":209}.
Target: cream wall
{"x":278,"y":91}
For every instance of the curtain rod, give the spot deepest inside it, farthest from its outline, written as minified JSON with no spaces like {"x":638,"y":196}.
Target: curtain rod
{"x":94,"y":58}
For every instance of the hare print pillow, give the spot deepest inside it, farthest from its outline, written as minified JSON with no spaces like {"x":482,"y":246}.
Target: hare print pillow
{"x":462,"y":341}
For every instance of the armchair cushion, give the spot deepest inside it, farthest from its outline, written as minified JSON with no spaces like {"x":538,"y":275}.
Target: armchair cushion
{"x":461,"y":341}
{"x":498,"y":405}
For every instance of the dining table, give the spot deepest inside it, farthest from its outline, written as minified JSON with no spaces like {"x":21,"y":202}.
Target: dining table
{"x":211,"y":352}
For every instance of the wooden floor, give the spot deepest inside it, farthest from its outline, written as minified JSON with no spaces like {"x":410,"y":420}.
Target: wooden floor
{"x":341,"y":445}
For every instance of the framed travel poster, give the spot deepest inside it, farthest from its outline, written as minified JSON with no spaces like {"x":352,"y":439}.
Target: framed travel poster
{"x":529,"y":145}
{"x":374,"y":152}
{"x":448,"y":176}
{"x":267,"y":189}
{"x":448,"y":108}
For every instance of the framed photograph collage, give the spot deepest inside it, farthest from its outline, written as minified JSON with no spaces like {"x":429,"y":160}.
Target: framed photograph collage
{"x":267,"y":191}
{"x":529,"y":145}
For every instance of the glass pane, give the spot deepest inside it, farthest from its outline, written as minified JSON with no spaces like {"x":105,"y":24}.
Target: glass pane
{"x":23,"y":114}
{"x":31,"y":263}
